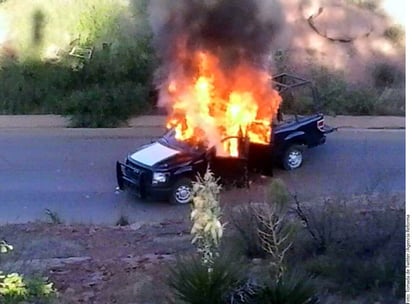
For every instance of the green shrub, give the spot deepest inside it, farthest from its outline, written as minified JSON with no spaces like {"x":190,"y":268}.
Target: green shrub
{"x":194,"y":282}
{"x":337,"y":97}
{"x":99,"y":106}
{"x":33,"y":87}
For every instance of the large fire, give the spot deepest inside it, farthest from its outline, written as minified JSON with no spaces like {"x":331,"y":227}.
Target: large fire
{"x":214,"y":103}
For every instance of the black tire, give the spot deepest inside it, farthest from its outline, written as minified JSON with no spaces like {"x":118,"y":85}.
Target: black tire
{"x":182,"y":192}
{"x":293,"y":157}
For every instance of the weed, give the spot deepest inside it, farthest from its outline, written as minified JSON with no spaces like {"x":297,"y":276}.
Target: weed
{"x":122,"y":221}
{"x":53,"y":216}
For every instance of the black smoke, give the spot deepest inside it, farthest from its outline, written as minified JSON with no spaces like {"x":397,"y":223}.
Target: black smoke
{"x":233,"y":30}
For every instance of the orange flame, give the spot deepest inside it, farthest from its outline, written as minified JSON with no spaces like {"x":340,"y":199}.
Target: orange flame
{"x":217,"y":104}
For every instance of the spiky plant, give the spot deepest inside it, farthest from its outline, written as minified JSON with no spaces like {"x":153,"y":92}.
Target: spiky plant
{"x":291,"y":288}
{"x":274,"y":230}
{"x":194,"y":282}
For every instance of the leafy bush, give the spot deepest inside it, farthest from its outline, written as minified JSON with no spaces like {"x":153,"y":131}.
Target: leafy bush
{"x":108,"y":106}
{"x":33,"y":87}
{"x":195,"y":282}
{"x":118,"y":73}
{"x":337,"y":97}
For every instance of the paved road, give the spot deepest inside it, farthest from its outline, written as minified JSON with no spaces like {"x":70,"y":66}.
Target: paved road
{"x":71,"y":172}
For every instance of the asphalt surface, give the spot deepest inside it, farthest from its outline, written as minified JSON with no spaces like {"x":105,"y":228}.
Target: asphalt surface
{"x":72,"y":172}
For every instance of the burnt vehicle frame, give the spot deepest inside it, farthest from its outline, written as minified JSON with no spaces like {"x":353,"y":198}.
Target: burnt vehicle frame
{"x":166,"y":168}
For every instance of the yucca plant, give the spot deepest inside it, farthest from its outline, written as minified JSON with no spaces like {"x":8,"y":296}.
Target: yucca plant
{"x":195,"y":282}
{"x":291,"y":288}
{"x":207,"y":229}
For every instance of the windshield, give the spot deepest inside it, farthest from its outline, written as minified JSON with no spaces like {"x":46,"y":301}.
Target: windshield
{"x":169,"y":139}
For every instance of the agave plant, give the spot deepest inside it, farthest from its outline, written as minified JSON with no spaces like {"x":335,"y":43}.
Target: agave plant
{"x":291,"y":288}
{"x":195,"y":282}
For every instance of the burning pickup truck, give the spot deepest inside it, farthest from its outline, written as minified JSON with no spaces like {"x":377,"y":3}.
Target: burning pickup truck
{"x":166,"y":168}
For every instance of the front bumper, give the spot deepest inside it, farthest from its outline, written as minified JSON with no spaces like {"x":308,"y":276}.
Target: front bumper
{"x":138,"y":182}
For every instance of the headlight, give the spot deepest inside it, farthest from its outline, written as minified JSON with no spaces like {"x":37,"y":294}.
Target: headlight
{"x":159,"y":177}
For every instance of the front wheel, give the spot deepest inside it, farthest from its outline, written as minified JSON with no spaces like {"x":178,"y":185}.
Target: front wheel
{"x":293,"y":157}
{"x":182,"y":192}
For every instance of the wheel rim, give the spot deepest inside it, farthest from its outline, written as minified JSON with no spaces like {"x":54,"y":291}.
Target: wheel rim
{"x":183,"y":194}
{"x":294,"y":159}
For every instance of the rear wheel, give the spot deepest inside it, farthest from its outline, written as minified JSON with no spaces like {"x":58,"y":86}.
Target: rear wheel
{"x":182,"y":192}
{"x":293,"y":157}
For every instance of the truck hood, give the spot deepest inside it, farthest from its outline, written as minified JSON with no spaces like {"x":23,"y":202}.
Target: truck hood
{"x":154,"y":153}
{"x":161,"y":156}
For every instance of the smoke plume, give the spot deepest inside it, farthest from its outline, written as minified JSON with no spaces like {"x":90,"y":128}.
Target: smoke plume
{"x":233,"y":30}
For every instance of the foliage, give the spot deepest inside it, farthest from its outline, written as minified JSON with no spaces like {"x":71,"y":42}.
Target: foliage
{"x":291,"y":288}
{"x":395,"y":34}
{"x":14,"y":288}
{"x":97,"y":22}
{"x":246,"y":236}
{"x":207,"y":229}
{"x":104,"y":106}
{"x":338,"y":97}
{"x":356,"y":250}
{"x":115,"y":84}
{"x":371,"y":5}
{"x":274,"y":230}
{"x":195,"y":282}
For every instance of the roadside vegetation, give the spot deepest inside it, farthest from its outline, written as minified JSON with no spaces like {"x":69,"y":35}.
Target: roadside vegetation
{"x":16,"y":288}
{"x":91,"y":61}
{"x":94,"y":62}
{"x":282,"y":250}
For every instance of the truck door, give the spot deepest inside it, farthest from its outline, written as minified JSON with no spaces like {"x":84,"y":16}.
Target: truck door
{"x":260,"y":159}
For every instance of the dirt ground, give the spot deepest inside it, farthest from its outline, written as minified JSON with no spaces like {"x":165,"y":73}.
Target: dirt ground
{"x":91,"y":264}
{"x":106,"y":264}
